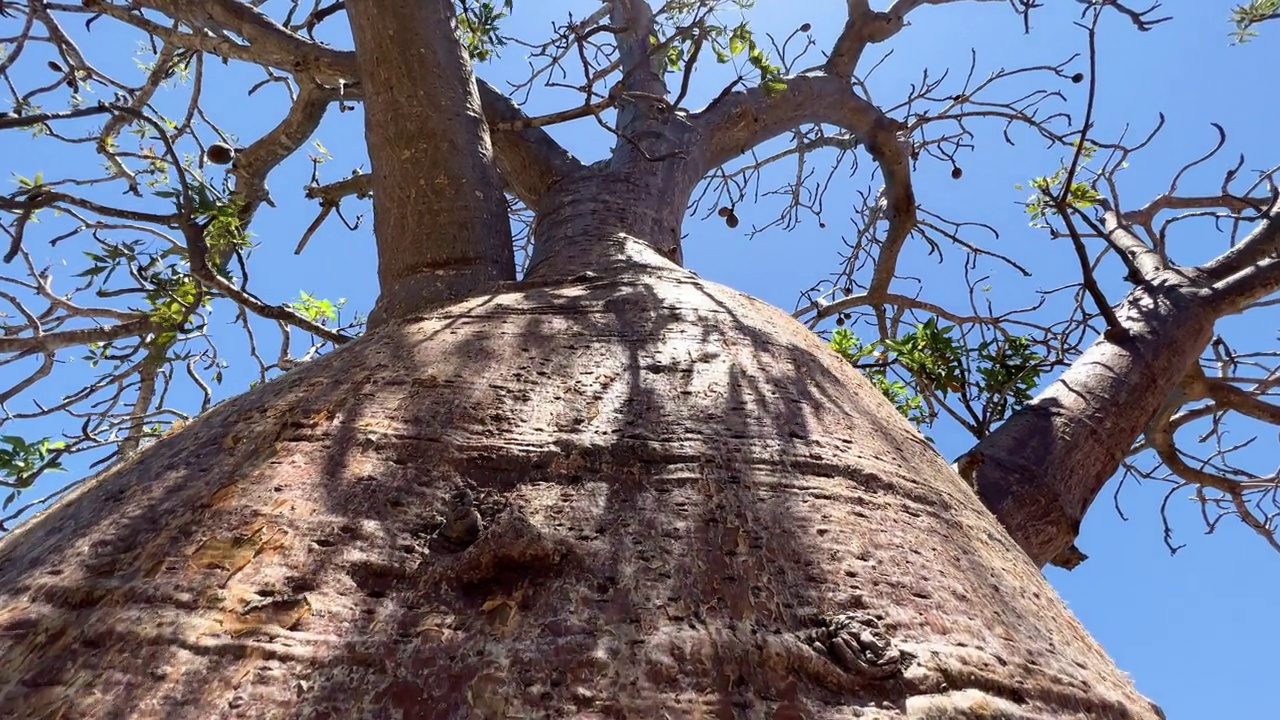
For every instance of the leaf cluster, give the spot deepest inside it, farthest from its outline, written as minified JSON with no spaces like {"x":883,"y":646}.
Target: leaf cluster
{"x":478,"y":25}
{"x":726,"y":43}
{"x":22,"y":461}
{"x":1245,"y":17}
{"x":1049,"y":189}
{"x":998,"y":375}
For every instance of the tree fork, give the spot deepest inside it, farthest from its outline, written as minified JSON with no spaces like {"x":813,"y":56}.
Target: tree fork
{"x":610,"y":221}
{"x":652,"y":494}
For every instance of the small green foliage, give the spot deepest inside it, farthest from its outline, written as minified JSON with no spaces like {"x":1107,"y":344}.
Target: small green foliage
{"x":932,"y":356}
{"x":1080,"y":195}
{"x":726,"y":43}
{"x":478,"y":22}
{"x":96,"y":353}
{"x":1008,"y":371}
{"x":908,"y":403}
{"x":157,"y":169}
{"x":22,"y":106}
{"x":1246,"y":16}
{"x":991,"y":380}
{"x":22,"y":461}
{"x":154,"y":430}
{"x":317,"y":310}
{"x":321,"y":155}
{"x":224,"y":232}
{"x":173,"y":296}
{"x":29,"y":183}
{"x":171,"y":291}
{"x":848,"y":346}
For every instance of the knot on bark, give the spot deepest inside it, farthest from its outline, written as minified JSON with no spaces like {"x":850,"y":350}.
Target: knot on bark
{"x":512,"y":547}
{"x":858,"y":644}
{"x":460,"y":525}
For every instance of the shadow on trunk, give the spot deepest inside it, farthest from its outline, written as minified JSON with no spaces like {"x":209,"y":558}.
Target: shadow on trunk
{"x":623,"y":497}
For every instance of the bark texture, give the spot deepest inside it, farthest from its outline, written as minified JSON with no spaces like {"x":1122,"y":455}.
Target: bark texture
{"x":600,"y":222}
{"x":636,"y":495}
{"x":440,"y":219}
{"x":1041,"y":470}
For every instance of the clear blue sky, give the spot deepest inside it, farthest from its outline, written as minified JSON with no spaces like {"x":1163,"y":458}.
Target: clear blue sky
{"x":1194,"y":630}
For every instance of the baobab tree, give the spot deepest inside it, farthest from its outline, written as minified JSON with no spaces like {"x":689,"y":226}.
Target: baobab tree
{"x":556,"y":473}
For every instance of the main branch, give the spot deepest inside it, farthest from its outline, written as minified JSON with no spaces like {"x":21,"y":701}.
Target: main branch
{"x":440,"y":220}
{"x":743,"y":119}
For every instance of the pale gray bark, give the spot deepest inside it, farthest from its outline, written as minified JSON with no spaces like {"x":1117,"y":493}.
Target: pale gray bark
{"x":1042,"y":469}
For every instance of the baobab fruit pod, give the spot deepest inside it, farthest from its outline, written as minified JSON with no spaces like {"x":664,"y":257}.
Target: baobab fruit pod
{"x":220,"y":154}
{"x":723,"y":212}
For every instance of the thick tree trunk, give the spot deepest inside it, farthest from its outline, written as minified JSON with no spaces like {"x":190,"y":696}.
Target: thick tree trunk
{"x":1040,"y":471}
{"x":440,"y":219}
{"x":634,"y":494}
{"x":591,"y":222}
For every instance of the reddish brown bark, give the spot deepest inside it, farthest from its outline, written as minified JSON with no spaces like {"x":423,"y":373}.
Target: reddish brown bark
{"x":439,"y":215}
{"x":683,"y":504}
{"x":613,"y":491}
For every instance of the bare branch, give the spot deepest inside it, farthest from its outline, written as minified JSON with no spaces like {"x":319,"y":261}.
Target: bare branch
{"x":529,"y":159}
{"x":863,"y":27}
{"x":254,"y":163}
{"x":1143,"y":259}
{"x":1262,"y":242}
{"x":1251,"y":284}
{"x":49,"y":342}
{"x":743,"y":119}
{"x":641,"y":68}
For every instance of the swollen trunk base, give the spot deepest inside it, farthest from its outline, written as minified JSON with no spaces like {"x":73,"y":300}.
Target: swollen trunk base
{"x":637,"y":496}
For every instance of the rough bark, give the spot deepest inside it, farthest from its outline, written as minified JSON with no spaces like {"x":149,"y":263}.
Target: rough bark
{"x":591,"y":222}
{"x":1040,"y":471}
{"x":440,"y":219}
{"x":655,"y":495}
{"x":613,"y":491}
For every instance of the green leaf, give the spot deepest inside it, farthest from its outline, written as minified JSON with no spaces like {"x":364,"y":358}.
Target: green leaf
{"x":773,"y":88}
